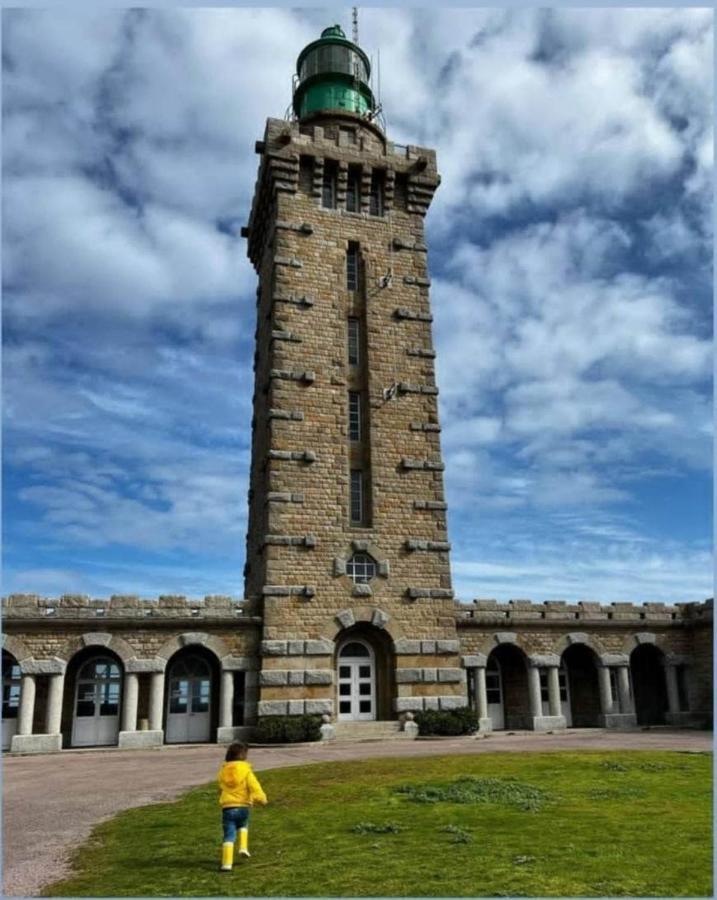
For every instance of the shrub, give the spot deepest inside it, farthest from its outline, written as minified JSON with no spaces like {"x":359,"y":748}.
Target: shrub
{"x":447,"y":721}
{"x":288,"y":729}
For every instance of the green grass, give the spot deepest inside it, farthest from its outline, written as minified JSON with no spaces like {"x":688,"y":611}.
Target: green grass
{"x":508,"y":824}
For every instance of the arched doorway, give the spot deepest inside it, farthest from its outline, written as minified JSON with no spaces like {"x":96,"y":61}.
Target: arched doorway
{"x":648,"y":684}
{"x":506,"y":677}
{"x":11,"y":683}
{"x":583,"y":691}
{"x":356,"y":679}
{"x":96,"y":710}
{"x":191,"y":697}
{"x":365,"y":674}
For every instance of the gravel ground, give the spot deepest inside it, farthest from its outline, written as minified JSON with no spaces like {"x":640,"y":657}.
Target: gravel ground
{"x":51,"y":802}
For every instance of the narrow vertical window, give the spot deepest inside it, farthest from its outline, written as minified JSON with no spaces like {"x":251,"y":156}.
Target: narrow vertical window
{"x":356,"y":497}
{"x":376,"y":196}
{"x":354,"y":352}
{"x":353,"y":190}
{"x":354,"y":416}
{"x":352,"y":267}
{"x":328,"y":192}
{"x":544,"y":693}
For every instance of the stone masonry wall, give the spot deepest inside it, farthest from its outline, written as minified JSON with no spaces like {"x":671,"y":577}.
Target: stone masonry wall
{"x":300,"y":486}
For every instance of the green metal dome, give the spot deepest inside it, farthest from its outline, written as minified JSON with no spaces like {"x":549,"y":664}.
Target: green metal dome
{"x":333,"y":76}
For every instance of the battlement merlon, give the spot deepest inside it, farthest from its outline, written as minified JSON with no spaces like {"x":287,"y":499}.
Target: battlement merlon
{"x":483,"y":612}
{"x":286,"y":142}
{"x":121,"y":607}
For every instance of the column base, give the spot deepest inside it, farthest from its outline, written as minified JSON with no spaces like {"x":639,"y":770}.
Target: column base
{"x":328,"y":732}
{"x":549,"y":723}
{"x":140,"y":740}
{"x":618,"y":720}
{"x":485,"y":726}
{"x":36,"y":743}
{"x":227,"y":734}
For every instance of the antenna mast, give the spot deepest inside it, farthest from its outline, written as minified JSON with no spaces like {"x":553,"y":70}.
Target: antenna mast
{"x":354,"y":22}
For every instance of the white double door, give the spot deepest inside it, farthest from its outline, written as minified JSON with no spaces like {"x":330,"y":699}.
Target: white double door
{"x":189,"y":702}
{"x":356,"y":683}
{"x":97,"y":704}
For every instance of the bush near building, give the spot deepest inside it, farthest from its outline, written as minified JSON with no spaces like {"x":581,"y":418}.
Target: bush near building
{"x":447,"y":721}
{"x":288,"y":729}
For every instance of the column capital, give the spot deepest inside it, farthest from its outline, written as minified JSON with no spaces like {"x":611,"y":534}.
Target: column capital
{"x":545,"y":660}
{"x":476,"y":661}
{"x":613,"y":659}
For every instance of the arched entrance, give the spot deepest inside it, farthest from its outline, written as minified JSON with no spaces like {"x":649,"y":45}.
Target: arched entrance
{"x":11,"y":682}
{"x":191,"y":697}
{"x":365,"y":679}
{"x":98,"y":688}
{"x":583,"y":691}
{"x":563,"y":690}
{"x":648,"y":684}
{"x":507,"y":688}
{"x":356,"y":681}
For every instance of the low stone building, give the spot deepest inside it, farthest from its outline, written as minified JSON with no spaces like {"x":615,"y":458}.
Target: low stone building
{"x":349,"y":608}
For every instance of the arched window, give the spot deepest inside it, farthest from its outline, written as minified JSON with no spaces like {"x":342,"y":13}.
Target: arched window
{"x":361,"y":568}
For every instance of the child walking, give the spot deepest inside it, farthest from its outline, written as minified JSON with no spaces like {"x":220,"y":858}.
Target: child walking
{"x":240,"y":790}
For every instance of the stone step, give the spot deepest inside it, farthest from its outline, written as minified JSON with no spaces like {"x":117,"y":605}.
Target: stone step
{"x":369,"y":731}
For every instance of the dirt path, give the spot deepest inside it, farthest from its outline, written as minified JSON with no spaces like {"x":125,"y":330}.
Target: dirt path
{"x":51,"y":802}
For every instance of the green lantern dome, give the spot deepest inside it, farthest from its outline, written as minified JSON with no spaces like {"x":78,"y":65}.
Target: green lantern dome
{"x":333,"y":76}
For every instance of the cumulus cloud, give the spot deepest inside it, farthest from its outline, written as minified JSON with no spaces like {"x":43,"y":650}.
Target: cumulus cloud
{"x":570,"y":252}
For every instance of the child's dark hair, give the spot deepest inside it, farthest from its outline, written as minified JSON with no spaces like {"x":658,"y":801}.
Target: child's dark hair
{"x":236,"y":751}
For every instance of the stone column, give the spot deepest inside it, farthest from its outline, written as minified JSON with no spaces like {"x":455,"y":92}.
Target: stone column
{"x":481,"y":696}
{"x":156,"y":701}
{"x":554,"y":707}
{"x":27,"y":705}
{"x":53,"y":718}
{"x":623,"y":688}
{"x":129,"y":706}
{"x":226,"y":700}
{"x":673,"y":696}
{"x":606,"y":700}
{"x":536,"y":704}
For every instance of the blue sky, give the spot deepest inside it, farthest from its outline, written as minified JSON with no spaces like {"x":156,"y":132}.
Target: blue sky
{"x":570,"y":251}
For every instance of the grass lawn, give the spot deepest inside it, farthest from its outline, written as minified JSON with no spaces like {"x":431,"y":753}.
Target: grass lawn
{"x":503,"y":824}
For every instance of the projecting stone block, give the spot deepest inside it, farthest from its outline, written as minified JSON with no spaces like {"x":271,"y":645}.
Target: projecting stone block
{"x":451,"y":702}
{"x":290,"y":415}
{"x":319,"y":707}
{"x":295,"y":648}
{"x":379,"y":619}
{"x":410,"y":315}
{"x":407,"y":646}
{"x":274,"y":648}
{"x":429,"y":675}
{"x":384,"y":568}
{"x":319,"y":676}
{"x":293,"y":301}
{"x":430,"y":504}
{"x":346,"y":618}
{"x":362,"y":590}
{"x":273,"y":677}
{"x":447,"y":646}
{"x":318,"y":648}
{"x":272,"y":708}
{"x":408,"y":704}
{"x":408,"y":676}
{"x":428,"y":646}
{"x":296,"y":707}
{"x":296,"y":676}
{"x":450,"y":675}
{"x":289,"y":261}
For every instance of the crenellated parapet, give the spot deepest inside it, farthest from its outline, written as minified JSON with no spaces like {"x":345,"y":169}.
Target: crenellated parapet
{"x":286,"y":143}
{"x":488,"y":612}
{"x":123,"y":607}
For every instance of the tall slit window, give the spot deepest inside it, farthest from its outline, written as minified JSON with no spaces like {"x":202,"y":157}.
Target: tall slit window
{"x":352,"y":267}
{"x":328,"y":191}
{"x":353,"y":190}
{"x":376,"y":196}
{"x":354,"y":416}
{"x":357,"y":497}
{"x":354,"y":336}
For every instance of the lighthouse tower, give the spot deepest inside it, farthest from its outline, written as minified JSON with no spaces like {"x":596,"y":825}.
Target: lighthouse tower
{"x":347,"y":553}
